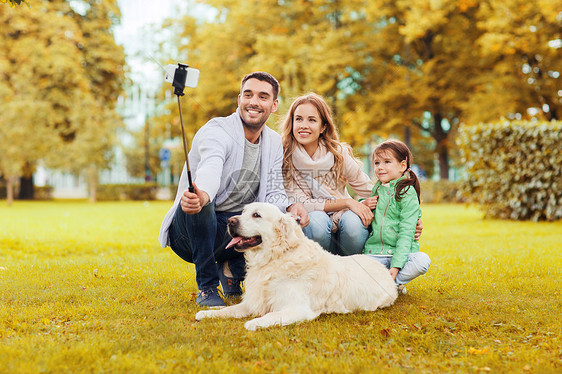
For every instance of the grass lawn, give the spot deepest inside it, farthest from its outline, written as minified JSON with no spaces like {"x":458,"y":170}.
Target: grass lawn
{"x":87,"y":288}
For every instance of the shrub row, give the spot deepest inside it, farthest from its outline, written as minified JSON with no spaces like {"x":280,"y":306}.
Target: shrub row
{"x":442,"y":191}
{"x":514,"y":168}
{"x":113,"y":192}
{"x":39,"y":193}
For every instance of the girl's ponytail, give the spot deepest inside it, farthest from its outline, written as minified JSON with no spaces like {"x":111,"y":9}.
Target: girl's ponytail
{"x":403,"y":185}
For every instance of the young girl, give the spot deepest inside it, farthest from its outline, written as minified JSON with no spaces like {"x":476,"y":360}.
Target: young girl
{"x":391,"y":241}
{"x":316,"y":169}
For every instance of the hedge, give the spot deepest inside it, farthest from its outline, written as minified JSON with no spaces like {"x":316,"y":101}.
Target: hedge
{"x":112,"y":192}
{"x":39,"y":193}
{"x":443,"y":191}
{"x":514,"y":168}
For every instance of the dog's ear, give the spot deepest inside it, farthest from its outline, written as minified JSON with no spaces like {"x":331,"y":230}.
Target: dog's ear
{"x":289,"y":232}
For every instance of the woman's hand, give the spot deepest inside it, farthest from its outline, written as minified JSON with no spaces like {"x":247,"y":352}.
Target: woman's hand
{"x":299,"y":212}
{"x":362,"y":210}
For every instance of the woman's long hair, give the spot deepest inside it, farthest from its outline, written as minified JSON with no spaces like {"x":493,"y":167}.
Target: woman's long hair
{"x":329,"y":134}
{"x":401,"y":152}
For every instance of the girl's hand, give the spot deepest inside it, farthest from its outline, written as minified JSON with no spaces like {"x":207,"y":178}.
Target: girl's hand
{"x":394,"y":272}
{"x":419,"y":228}
{"x":370,"y":202}
{"x":362,"y":210}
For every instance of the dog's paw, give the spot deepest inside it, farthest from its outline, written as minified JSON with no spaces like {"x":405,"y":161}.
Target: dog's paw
{"x":259,"y":323}
{"x":203,"y":314}
{"x":252,"y":325}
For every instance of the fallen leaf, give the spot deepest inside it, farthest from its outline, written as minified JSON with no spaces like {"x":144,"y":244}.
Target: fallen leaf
{"x":385,"y":333}
{"x":474,"y":351}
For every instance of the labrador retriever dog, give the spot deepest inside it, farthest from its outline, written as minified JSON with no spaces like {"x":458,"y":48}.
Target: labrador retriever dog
{"x":290,"y":278}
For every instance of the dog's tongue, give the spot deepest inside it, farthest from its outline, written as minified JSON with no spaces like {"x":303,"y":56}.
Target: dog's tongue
{"x":234,"y":241}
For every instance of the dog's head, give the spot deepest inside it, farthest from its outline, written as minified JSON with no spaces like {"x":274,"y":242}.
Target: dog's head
{"x":263,"y":225}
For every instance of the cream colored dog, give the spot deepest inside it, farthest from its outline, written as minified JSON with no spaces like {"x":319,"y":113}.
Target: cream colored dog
{"x":290,"y":278}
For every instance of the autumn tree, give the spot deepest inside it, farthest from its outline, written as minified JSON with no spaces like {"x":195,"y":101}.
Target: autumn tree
{"x":289,"y":39}
{"x":69,"y":91}
{"x":13,"y":3}
{"x":412,"y":69}
{"x":42,"y":74}
{"x":520,"y":55}
{"x":103,"y":63}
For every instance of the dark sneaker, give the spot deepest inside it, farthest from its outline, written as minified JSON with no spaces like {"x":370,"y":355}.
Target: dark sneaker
{"x":209,"y":298}
{"x":230,"y":286}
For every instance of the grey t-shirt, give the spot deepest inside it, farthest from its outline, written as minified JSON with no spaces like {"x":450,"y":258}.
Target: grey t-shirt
{"x":248,"y":180}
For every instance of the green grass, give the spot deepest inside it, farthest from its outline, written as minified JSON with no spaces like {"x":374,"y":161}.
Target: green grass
{"x":87,"y":288}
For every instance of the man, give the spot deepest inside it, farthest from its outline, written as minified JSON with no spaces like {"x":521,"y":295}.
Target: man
{"x":235,"y":160}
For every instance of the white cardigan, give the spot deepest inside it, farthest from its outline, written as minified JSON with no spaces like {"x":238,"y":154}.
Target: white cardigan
{"x":216,"y":155}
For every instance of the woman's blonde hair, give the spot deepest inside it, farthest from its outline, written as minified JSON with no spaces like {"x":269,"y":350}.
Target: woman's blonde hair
{"x":329,"y":135}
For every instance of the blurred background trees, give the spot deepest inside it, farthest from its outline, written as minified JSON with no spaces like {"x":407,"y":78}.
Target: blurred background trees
{"x":61,"y":75}
{"x":13,"y":3}
{"x":413,"y":70}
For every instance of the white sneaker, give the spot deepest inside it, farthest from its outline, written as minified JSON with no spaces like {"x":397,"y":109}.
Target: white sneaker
{"x":401,"y":289}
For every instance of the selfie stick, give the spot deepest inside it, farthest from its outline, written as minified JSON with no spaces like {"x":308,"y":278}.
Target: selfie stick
{"x":179,"y":84}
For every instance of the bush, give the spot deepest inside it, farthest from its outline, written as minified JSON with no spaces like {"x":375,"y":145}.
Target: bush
{"x":442,"y":191}
{"x":514,"y":168}
{"x":113,"y":192}
{"x":43,"y":193}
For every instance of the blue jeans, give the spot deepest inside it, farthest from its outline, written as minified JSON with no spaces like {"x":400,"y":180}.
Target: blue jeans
{"x":201,"y":239}
{"x":417,"y":264}
{"x":348,"y":240}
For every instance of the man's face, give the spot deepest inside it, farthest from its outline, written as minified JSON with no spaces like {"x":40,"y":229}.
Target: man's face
{"x":256,"y":103}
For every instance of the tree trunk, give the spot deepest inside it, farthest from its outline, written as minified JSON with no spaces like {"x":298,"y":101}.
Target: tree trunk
{"x":444,"y":163}
{"x":92,"y":182}
{"x":26,"y":188}
{"x":408,"y":137}
{"x":10,"y":184}
{"x":441,"y":148}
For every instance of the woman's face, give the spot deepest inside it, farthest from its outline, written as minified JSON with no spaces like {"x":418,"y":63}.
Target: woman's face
{"x":307,"y":127}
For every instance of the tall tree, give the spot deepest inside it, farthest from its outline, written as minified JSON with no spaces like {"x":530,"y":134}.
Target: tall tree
{"x":67,"y":64}
{"x":40,"y":68}
{"x":103,"y":62}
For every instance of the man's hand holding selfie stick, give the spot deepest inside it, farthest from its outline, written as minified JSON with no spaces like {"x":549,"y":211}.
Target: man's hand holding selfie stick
{"x":181,"y":75}
{"x":193,"y":202}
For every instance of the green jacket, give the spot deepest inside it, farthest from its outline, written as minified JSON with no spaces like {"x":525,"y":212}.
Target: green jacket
{"x":394,"y":224}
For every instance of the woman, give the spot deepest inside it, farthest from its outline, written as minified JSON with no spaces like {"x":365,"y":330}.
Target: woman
{"x":316,"y":170}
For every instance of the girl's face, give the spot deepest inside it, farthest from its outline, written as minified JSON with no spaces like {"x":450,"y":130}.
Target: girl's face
{"x":387,"y":167}
{"x":307,"y":127}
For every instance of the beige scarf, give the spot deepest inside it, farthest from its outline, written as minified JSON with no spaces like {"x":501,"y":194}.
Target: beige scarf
{"x":313,"y":174}
{"x":315,"y":169}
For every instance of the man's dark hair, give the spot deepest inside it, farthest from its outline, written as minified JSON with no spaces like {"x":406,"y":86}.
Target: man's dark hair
{"x":264,"y":77}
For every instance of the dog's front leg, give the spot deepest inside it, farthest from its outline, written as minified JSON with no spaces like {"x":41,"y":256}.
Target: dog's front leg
{"x":283,"y":317}
{"x":234,"y":311}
